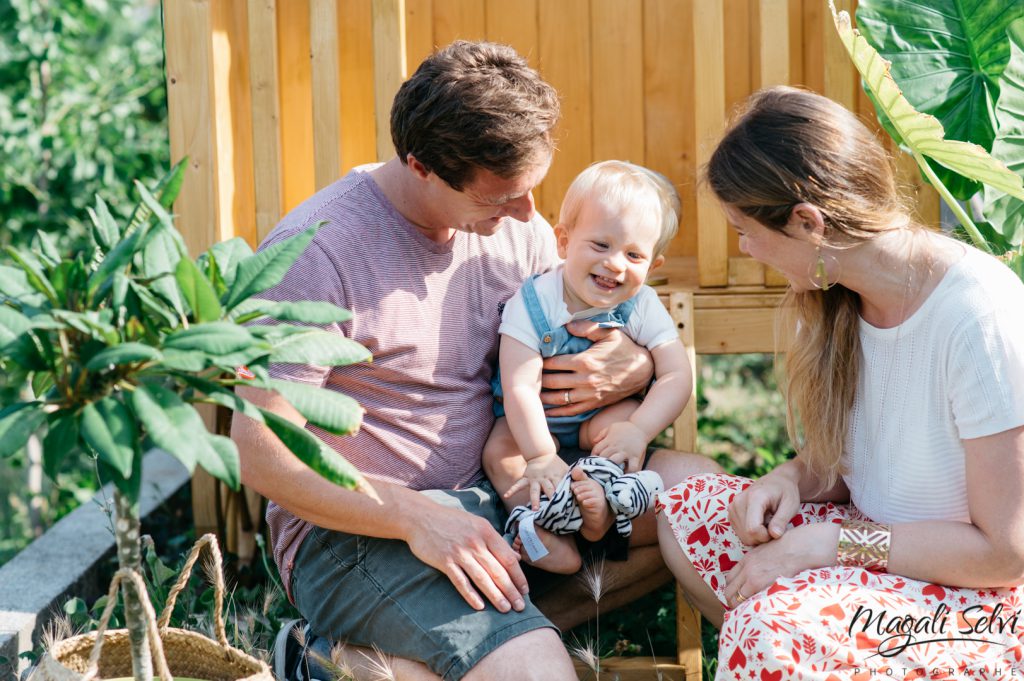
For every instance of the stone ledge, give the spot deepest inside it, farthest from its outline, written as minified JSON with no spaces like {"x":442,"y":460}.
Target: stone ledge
{"x":65,"y":562}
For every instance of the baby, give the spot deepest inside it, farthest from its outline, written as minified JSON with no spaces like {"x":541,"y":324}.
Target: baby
{"x":616,"y":221}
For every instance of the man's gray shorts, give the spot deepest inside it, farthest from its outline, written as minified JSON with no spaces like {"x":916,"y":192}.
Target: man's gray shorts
{"x":367,"y":591}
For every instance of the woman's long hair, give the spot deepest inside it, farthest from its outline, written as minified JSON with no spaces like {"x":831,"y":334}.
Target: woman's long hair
{"x":785,"y":147}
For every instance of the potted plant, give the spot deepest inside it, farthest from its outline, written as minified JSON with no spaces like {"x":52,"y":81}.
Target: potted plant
{"x":120,"y":343}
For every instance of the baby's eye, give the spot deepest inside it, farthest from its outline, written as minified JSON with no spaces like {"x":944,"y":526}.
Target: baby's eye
{"x":636,"y":256}
{"x":599,"y":245}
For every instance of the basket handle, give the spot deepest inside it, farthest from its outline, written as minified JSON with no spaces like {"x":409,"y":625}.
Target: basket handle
{"x":155,"y":644}
{"x":209,"y":541}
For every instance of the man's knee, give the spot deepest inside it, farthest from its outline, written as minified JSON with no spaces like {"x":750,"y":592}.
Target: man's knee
{"x":537,"y":655}
{"x":674,"y":467}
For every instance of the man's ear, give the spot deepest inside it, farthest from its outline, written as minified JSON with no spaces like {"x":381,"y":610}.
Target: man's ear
{"x":562,"y":237}
{"x":417,"y":168}
{"x":806,"y":221}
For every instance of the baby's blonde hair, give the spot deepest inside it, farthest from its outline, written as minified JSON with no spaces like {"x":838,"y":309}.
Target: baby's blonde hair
{"x":620,"y":183}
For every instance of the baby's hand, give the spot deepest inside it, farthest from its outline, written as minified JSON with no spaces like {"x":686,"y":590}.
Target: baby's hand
{"x":542,"y":474}
{"x":622,"y":442}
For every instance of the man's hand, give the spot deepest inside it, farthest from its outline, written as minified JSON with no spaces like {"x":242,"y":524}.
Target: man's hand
{"x":622,"y":442}
{"x":468,"y":550}
{"x":542,"y":474}
{"x":609,"y":371}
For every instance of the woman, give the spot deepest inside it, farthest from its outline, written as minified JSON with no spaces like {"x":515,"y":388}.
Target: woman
{"x":905,"y":391}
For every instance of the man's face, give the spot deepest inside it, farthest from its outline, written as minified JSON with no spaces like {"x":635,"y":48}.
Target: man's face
{"x":486,"y":199}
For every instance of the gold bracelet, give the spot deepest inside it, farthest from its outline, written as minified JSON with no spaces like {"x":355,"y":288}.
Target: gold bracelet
{"x":864,"y":544}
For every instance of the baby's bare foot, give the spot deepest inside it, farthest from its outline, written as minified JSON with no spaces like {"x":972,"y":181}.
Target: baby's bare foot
{"x":597,"y":516}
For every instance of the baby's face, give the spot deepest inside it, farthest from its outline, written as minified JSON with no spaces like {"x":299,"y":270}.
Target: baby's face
{"x":608,"y":254}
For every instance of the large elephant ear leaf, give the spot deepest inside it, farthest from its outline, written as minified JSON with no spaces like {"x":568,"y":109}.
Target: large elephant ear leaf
{"x":949,"y":56}
{"x":1004,"y":212}
{"x":923,"y":134}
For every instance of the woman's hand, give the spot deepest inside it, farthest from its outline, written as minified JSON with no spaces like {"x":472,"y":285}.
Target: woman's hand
{"x":802,"y":548}
{"x":761,"y":512}
{"x":610,"y":370}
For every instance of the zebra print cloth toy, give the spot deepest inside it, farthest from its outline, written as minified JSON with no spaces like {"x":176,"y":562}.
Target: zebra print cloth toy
{"x":629,"y":495}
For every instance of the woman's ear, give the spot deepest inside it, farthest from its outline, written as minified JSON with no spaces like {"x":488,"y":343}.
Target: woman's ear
{"x":806,"y":221}
{"x":562,"y":237}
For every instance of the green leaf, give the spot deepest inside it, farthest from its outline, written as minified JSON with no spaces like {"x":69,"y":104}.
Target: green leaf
{"x":227,"y":255}
{"x":309,"y":311}
{"x":157,"y":309}
{"x":172,"y":424}
{"x":212,"y":338}
{"x":34,"y":274}
{"x":47,"y":248}
{"x":312,"y":451}
{"x":185,"y":360}
{"x":117,"y":259}
{"x":125,"y":353}
{"x":948,"y":57}
{"x":1005,"y":213}
{"x":921,"y":132}
{"x":160,"y":258}
{"x":319,"y":347}
{"x":198,"y":291}
{"x":332,"y":411}
{"x":223,"y":463}
{"x":17,"y":423}
{"x":92,"y":324}
{"x":14,"y":284}
{"x":109,"y":428}
{"x":12,"y":325}
{"x":105,"y":232}
{"x":267,"y":268}
{"x":60,"y":441}
{"x":222,"y":395}
{"x":167,"y":189}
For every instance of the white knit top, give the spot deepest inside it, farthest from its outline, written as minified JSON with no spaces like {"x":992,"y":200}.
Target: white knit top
{"x":953,"y":371}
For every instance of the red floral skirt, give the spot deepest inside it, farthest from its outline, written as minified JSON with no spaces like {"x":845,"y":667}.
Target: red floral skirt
{"x":839,"y":623}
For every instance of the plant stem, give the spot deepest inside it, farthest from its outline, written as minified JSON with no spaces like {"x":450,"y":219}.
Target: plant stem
{"x":129,"y":555}
{"x":954,"y":205}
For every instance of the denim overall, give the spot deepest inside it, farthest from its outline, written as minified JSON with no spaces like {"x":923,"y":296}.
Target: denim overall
{"x":559,"y":341}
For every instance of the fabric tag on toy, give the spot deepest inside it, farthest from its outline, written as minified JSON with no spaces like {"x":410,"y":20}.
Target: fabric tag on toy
{"x":535,"y":549}
{"x":610,"y":324}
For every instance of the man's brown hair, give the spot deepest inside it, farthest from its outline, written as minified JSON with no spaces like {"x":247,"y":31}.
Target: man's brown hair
{"x":474,"y":105}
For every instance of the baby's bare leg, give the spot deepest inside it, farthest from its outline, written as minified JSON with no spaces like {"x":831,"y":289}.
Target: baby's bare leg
{"x":597,"y":516}
{"x":504,"y":465}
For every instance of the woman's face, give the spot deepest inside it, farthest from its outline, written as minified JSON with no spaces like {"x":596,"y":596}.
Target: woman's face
{"x":791,"y":252}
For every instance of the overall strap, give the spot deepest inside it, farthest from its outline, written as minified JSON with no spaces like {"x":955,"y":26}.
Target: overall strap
{"x":533,"y":306}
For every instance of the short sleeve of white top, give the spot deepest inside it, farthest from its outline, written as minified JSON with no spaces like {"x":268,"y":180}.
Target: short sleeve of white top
{"x":953,"y":371}
{"x":650,"y":324}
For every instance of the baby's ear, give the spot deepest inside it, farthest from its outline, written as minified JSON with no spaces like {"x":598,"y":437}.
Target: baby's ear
{"x":656,"y":263}
{"x":562,"y":237}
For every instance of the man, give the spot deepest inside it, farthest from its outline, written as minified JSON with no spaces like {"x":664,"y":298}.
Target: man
{"x":424,"y":249}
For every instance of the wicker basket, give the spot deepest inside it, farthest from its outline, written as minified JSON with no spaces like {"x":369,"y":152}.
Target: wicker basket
{"x":106,"y":654}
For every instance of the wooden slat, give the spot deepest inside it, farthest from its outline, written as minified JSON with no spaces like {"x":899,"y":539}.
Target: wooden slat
{"x":688,"y":622}
{"x":745,"y":271}
{"x":813,"y":44}
{"x":515,"y":24}
{"x":617,"y":100}
{"x":739,"y":37}
{"x":681,"y":307}
{"x":190,"y":112}
{"x":389,"y":68}
{"x":565,"y":63}
{"x":840,"y":74}
{"x":295,"y":102}
{"x":419,"y":31}
{"x":324,"y":52}
{"x":458,"y":20}
{"x":709,"y":82}
{"x":266,"y":115}
{"x":669,"y":127}
{"x":355,"y":26}
{"x":796,"y":41}
{"x":729,"y":331}
{"x":635,"y":669}
{"x":233,"y":115}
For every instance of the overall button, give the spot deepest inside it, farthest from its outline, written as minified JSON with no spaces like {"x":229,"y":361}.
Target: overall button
{"x":547,"y":339}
